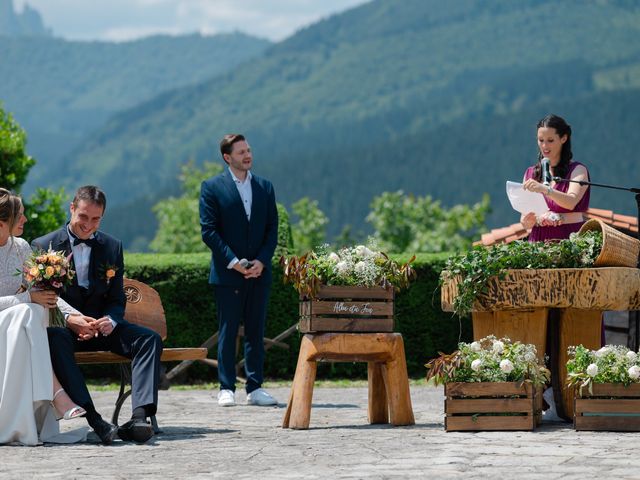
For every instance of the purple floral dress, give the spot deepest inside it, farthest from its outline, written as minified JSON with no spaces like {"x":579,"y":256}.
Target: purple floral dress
{"x":539,"y":233}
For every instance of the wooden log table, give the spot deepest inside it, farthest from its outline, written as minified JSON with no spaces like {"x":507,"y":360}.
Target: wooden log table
{"x":389,"y":398}
{"x":521,"y":305}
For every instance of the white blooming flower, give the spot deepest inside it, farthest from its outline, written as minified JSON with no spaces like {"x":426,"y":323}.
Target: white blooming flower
{"x":360,"y":250}
{"x":592,"y":370}
{"x":475,"y":347}
{"x":498,"y":346}
{"x":632,"y":356}
{"x":369,"y":253}
{"x":506,"y":366}
{"x":529,"y":356}
{"x":360,"y":268}
{"x":603,"y":351}
{"x":476,"y":365}
{"x":342,"y":268}
{"x":634,"y":372}
{"x":333,"y":257}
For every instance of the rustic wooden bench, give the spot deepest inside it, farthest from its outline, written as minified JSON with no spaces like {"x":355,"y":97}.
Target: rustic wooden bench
{"x":144,"y":307}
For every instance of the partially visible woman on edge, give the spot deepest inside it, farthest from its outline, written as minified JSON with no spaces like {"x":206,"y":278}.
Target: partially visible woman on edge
{"x":566,"y":201}
{"x":31,"y":399}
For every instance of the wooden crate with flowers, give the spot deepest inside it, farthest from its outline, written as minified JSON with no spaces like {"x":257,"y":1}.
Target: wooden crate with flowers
{"x":490,"y":384}
{"x":607,"y":388}
{"x":351,"y":290}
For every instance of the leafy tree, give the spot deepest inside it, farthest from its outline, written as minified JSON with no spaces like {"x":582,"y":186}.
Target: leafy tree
{"x":45,"y":209}
{"x":14,"y":161}
{"x":310,"y":229}
{"x":45,"y":212}
{"x":404,"y":223}
{"x":179,"y":218}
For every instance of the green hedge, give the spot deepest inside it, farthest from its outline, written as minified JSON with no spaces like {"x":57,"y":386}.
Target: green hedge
{"x":182,"y":281}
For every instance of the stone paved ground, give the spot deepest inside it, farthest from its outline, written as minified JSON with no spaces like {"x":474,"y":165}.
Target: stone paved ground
{"x":203,"y":441}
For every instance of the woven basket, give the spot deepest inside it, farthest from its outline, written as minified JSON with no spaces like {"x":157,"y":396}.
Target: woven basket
{"x":618,"y":249}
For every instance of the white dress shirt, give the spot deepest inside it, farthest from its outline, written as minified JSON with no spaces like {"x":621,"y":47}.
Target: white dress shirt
{"x":81,"y":262}
{"x":246,"y":195}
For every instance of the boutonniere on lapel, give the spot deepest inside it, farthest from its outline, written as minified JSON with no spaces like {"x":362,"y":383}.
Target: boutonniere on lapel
{"x":108,"y":272}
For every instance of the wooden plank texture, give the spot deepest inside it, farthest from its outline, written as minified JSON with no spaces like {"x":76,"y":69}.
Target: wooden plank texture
{"x":326,"y":292}
{"x":313,"y":324}
{"x":458,"y":424}
{"x":348,"y":308}
{"x":600,"y":405}
{"x":611,"y":424}
{"x":489,"y":405}
{"x":168,"y":355}
{"x":612,"y":390}
{"x":488,"y":389}
{"x":608,"y":288}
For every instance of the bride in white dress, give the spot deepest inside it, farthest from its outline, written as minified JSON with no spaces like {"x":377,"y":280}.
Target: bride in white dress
{"x":31,"y":398}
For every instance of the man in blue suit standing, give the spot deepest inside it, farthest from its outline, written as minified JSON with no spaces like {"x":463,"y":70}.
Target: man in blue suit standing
{"x":239,"y":223}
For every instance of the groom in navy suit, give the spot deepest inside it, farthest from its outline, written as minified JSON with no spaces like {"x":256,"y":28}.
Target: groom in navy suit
{"x":96,"y":321}
{"x":239,"y":223}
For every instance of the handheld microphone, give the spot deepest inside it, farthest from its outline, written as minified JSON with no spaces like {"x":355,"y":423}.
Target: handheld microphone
{"x":546,"y":173}
{"x":244,"y":263}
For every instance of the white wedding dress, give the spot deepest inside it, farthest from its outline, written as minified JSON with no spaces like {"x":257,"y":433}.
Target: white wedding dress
{"x":26,"y":379}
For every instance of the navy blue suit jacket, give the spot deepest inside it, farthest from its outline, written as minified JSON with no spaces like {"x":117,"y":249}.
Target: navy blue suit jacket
{"x":102,"y":297}
{"x":228,"y":233}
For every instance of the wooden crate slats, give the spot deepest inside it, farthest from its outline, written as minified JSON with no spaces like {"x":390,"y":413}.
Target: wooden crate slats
{"x":348,"y":309}
{"x":491,"y":389}
{"x":610,"y":407}
{"x":355,"y":293}
{"x":490,"y":406}
{"x":461,"y":424}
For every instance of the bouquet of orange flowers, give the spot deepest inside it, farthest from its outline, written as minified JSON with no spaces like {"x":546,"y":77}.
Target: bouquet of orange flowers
{"x":48,"y":270}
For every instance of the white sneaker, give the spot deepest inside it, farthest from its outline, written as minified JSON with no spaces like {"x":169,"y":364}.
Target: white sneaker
{"x":260,"y":397}
{"x":226,"y":398}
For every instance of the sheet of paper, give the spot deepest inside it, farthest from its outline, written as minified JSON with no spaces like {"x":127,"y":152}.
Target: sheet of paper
{"x":524,"y":201}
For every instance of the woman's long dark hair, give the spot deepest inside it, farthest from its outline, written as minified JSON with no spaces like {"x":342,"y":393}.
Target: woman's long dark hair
{"x":562,"y":128}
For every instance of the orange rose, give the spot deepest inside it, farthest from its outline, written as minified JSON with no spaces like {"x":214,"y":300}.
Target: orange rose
{"x":110,"y":273}
{"x":33,"y":271}
{"x":49,"y":271}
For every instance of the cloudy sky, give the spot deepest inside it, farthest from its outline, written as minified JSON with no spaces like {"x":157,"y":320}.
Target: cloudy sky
{"x":120,"y":20}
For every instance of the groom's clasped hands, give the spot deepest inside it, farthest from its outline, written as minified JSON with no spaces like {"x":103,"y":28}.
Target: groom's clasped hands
{"x":87,"y":328}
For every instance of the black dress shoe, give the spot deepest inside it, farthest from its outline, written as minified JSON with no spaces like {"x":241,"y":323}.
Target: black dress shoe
{"x":137,"y":430}
{"x":105,"y":430}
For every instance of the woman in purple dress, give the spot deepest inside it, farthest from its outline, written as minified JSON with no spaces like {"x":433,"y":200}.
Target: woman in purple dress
{"x":566,"y":201}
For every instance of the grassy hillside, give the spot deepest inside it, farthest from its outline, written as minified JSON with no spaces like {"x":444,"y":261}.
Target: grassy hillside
{"x":60,"y":90}
{"x":433,"y":99}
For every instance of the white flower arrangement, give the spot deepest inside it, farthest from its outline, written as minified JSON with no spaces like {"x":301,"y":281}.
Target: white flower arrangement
{"x":609,"y":364}
{"x":352,"y":266}
{"x":489,"y":360}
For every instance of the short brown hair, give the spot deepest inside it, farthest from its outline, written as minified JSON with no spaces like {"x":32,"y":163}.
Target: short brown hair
{"x":226,"y":144}
{"x":90,"y":193}
{"x":9,"y":208}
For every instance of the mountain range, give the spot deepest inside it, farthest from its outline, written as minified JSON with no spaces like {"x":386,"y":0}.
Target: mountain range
{"x":432,"y":98}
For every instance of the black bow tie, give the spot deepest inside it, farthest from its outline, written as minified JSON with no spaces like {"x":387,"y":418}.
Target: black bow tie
{"x":90,"y":242}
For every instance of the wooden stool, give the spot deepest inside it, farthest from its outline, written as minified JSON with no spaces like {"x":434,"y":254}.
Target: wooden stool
{"x":389,"y":396}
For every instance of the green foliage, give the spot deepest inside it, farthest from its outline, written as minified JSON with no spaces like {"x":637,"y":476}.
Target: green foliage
{"x":45,"y":212}
{"x":14,"y":161}
{"x":349,"y":266}
{"x":473,"y":269}
{"x":45,"y":209}
{"x":610,"y":364}
{"x":489,"y":360}
{"x":179,"y":218}
{"x":285,"y":237}
{"x":188,"y":300}
{"x":404,"y":223}
{"x":309,"y":231}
